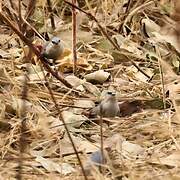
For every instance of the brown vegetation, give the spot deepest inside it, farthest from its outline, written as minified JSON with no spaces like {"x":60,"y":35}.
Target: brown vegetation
{"x":46,"y":129}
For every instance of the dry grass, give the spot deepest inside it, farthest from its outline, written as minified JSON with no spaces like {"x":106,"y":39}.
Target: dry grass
{"x":142,"y":145}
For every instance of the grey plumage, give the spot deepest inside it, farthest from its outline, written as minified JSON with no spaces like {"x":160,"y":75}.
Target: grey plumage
{"x":53,"y":49}
{"x":95,"y":159}
{"x":108,"y":107}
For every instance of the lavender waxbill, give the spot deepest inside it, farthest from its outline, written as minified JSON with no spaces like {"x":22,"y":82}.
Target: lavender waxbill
{"x":108,"y":107}
{"x":53,"y":49}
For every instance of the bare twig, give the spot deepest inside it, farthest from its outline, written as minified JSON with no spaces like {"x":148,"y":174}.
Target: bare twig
{"x":11,"y":16}
{"x":10,"y":10}
{"x":12,"y":4}
{"x":30,"y":9}
{"x":49,"y":7}
{"x":101,"y":134}
{"x":162,"y":76}
{"x":29,"y":12}
{"x":23,"y":127}
{"x":128,"y":6}
{"x":19,"y":15}
{"x":32,"y":28}
{"x":74,"y":37}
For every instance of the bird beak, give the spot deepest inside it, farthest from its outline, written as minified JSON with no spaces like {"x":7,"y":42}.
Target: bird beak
{"x":56,"y":43}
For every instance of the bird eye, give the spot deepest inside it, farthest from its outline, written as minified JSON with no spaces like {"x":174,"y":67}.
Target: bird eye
{"x":55,"y":40}
{"x":109,"y":92}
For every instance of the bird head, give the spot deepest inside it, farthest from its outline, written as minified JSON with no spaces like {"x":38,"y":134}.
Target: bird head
{"x":111,"y":93}
{"x":55,"y":40}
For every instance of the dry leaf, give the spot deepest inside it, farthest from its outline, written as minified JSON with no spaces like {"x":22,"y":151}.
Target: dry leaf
{"x":84,"y":103}
{"x":51,"y":166}
{"x":4,"y":54}
{"x":73,"y":120}
{"x":33,"y":78}
{"x":98,"y":76}
{"x":18,"y":105}
{"x":92,"y":88}
{"x":150,"y":27}
{"x":131,"y":150}
{"x":65,"y":63}
{"x":171,"y":160}
{"x":74,"y":81}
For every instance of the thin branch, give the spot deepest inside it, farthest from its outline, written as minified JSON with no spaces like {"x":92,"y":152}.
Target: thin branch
{"x":29,"y":12}
{"x":162,"y":76}
{"x":74,"y":38}
{"x":0,"y":6}
{"x":128,"y":6}
{"x":12,"y":4}
{"x":33,"y":28}
{"x":49,"y":7}
{"x":11,"y":16}
{"x":101,"y":134}
{"x":30,"y":9}
{"x":10,"y":10}
{"x":23,"y":127}
{"x":19,"y":15}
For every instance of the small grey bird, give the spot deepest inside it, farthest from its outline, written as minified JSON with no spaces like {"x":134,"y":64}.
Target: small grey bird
{"x":53,"y":49}
{"x":108,"y":107}
{"x":95,"y":159}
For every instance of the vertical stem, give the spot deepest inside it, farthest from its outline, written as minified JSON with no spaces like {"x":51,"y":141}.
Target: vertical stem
{"x":101,"y":134}
{"x":23,"y":127}
{"x":161,"y":75}
{"x":74,"y":37}
{"x":0,"y":6}
{"x":30,"y":9}
{"x":20,"y":15}
{"x":12,"y":4}
{"x":49,"y":7}
{"x":128,"y":6}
